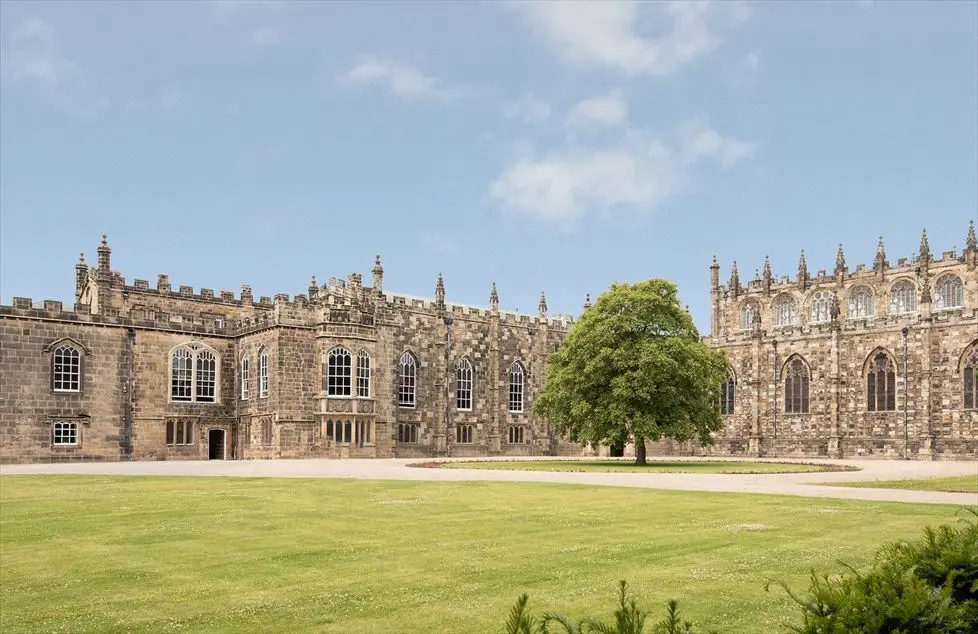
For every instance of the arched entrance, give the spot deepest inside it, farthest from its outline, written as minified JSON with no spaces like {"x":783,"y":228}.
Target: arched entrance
{"x":215,"y":444}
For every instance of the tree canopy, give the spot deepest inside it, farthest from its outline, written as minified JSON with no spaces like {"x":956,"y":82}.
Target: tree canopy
{"x":633,"y":368}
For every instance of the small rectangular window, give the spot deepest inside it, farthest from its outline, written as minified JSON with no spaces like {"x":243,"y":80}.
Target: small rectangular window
{"x":65,"y":434}
{"x":179,"y":432}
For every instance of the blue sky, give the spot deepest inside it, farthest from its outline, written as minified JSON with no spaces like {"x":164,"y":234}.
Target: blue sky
{"x":556,"y":146}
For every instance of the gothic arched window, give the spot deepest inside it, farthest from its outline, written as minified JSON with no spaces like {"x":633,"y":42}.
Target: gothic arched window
{"x":797,"y":384}
{"x":749,"y":313}
{"x":903,"y":298}
{"x":820,"y":307}
{"x":970,"y":372}
{"x":194,"y":373}
{"x":463,"y":385}
{"x":728,"y":391}
{"x":862,"y":302}
{"x":363,"y":374}
{"x":339,"y":372}
{"x":948,"y":292}
{"x":516,"y":375}
{"x":881,"y":384}
{"x":66,"y":370}
{"x":407,"y":380}
{"x":785,"y":311}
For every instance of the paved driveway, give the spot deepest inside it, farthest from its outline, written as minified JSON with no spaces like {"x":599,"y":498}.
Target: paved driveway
{"x":806,"y":484}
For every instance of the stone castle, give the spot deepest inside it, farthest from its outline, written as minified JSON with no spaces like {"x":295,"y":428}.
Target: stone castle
{"x":876,"y":361}
{"x":879,"y":361}
{"x":132,"y":372}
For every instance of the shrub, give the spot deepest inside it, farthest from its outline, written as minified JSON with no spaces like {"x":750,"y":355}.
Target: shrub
{"x":929,"y":585}
{"x":629,"y":619}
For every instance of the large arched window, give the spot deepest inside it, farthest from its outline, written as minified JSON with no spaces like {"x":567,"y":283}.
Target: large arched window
{"x":797,"y":383}
{"x":820,"y":307}
{"x":785,"y":311}
{"x":728,"y":390}
{"x":516,"y":375}
{"x":245,"y":378}
{"x":903,"y":298}
{"x":969,"y":370}
{"x":339,"y":372}
{"x":194,"y":373}
{"x":263,"y":373}
{"x":881,"y":383}
{"x":948,"y":292}
{"x":407,"y":380}
{"x":463,"y":385}
{"x":749,"y":314}
{"x":66,"y":369}
{"x":862,"y":302}
{"x":363,"y":374}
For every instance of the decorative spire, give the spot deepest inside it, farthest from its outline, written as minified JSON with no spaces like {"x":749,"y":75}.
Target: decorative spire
{"x":542,"y":306}
{"x":494,"y":298}
{"x":714,"y":275}
{"x":715,"y":265}
{"x":587,"y":301}
{"x":313,"y":288}
{"x":734,"y":278}
{"x":971,"y":244}
{"x":440,"y":291}
{"x":81,"y":258}
{"x":840,"y":261}
{"x":880,"y":262}
{"x":757,"y":275}
{"x":925,"y":296}
{"x":767,"y":274}
{"x":803,"y":271}
{"x":378,"y":272}
{"x":924,"y":249}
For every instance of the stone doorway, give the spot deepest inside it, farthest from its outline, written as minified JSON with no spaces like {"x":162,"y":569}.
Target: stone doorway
{"x":215,"y":444}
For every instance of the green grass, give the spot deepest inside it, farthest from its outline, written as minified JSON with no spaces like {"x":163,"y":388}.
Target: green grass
{"x":627,"y":466}
{"x":102,"y":554}
{"x":953,"y":484}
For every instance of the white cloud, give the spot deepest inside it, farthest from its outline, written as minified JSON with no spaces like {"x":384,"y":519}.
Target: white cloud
{"x":403,"y":81}
{"x":747,"y":69}
{"x":699,"y":140}
{"x":33,"y":54}
{"x":616,"y":34}
{"x":171,"y":99}
{"x":527,"y":109}
{"x":640,"y":172}
{"x":610,"y":110}
{"x":264,"y":37}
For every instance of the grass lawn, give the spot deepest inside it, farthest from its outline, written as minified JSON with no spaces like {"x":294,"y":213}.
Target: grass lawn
{"x":628,"y":466}
{"x":954,"y":484}
{"x":103,"y":554}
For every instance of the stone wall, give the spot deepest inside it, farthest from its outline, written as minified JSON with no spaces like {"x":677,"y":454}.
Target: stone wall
{"x":837,"y":350}
{"x":130,"y":330}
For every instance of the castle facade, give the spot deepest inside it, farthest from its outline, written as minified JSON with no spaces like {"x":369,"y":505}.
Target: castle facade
{"x":132,"y":372}
{"x":876,"y":361}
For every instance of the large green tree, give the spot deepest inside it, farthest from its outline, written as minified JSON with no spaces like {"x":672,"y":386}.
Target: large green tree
{"x":633,"y":368}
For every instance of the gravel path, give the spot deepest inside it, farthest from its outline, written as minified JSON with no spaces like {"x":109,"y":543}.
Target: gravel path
{"x":807,"y":484}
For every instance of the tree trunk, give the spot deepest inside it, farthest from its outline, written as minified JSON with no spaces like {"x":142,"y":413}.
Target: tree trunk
{"x":639,"y":451}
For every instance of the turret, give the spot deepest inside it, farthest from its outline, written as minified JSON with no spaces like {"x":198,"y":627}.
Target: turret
{"x":81,"y":277}
{"x":840,"y":263}
{"x":440,"y":292}
{"x":494,"y":299}
{"x":378,"y":272}
{"x":802,"y":271}
{"x":313,"y":288}
{"x":542,"y":306}
{"x":715,"y":274}
{"x":104,"y":254}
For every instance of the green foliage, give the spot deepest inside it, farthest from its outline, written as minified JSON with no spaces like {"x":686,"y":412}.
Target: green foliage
{"x":920,"y":587}
{"x":629,"y":619}
{"x":633,"y":367}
